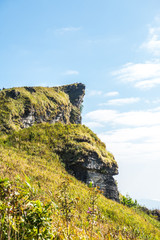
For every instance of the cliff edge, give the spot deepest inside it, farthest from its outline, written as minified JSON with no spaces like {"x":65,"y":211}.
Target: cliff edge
{"x":43,"y":119}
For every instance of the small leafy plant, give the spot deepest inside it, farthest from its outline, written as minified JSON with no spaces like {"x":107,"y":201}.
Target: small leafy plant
{"x":128,"y":201}
{"x":22,"y":216}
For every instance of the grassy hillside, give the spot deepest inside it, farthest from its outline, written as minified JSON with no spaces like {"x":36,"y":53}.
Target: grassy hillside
{"x":34,"y":155}
{"x":70,"y":141}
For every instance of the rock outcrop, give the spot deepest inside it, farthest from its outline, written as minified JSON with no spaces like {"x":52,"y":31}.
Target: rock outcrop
{"x":84,"y":155}
{"x":93,"y":169}
{"x":76,"y":93}
{"x":22,"y":107}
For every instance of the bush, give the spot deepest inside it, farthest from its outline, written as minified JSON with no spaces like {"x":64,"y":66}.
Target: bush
{"x":128,"y":201}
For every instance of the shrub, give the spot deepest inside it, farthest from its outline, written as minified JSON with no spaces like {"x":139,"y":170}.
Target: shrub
{"x":22,"y":216}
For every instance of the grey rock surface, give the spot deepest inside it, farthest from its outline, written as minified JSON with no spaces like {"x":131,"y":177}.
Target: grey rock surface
{"x":93,"y":169}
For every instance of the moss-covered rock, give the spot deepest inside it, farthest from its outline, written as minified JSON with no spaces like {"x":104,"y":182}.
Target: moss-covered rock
{"x":22,"y":107}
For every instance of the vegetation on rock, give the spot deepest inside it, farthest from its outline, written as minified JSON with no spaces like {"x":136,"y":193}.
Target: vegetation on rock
{"x":22,"y":107}
{"x":29,"y":152}
{"x":72,"y":142}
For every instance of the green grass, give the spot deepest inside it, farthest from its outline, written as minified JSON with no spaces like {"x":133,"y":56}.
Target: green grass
{"x":72,"y":142}
{"x":37,"y":152}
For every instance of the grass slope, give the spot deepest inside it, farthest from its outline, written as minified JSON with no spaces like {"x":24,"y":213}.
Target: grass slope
{"x":71,"y":141}
{"x":35,"y":152}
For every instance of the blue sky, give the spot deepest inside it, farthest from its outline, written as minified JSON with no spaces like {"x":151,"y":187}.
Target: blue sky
{"x":113,"y":47}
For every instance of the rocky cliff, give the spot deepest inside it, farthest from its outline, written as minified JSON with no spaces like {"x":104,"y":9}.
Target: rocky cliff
{"x":93,"y":169}
{"x":84,"y":155}
{"x":22,"y":107}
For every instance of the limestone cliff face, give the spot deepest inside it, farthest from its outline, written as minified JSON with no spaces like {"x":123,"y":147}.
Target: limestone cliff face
{"x":84,"y":155}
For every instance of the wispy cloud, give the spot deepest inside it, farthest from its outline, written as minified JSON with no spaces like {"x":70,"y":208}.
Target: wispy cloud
{"x":101,"y":116}
{"x":71,"y":72}
{"x":131,"y":118}
{"x":111,"y":94}
{"x":142,"y":75}
{"x":94,"y":93}
{"x":147,"y":84}
{"x":131,"y":134}
{"x":101,"y":93}
{"x":121,"y":101}
{"x":67,"y":30}
{"x":134,"y":144}
{"x":152,"y":44}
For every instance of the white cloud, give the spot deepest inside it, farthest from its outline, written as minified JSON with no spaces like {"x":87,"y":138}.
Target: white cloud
{"x":71,"y":72}
{"x":94,"y":92}
{"x":134,"y":144}
{"x":101,"y":115}
{"x":142,"y":75}
{"x":153,"y":42}
{"x":139,"y":118}
{"x":145,"y":134}
{"x":147,"y":84}
{"x":98,"y":93}
{"x":93,"y":124}
{"x":67,"y":29}
{"x":121,"y":101}
{"x":111,"y":94}
{"x":131,"y":118}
